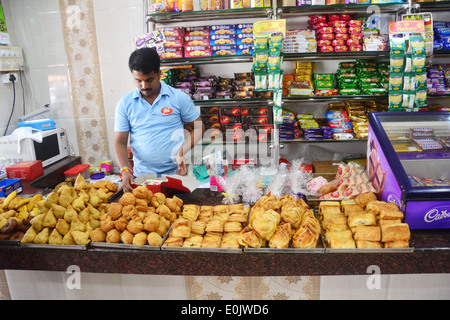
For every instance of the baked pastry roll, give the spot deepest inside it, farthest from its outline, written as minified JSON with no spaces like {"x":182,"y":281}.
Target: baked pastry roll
{"x":220,"y":209}
{"x":340,"y":235}
{"x":287,"y":200}
{"x":379,"y":206}
{"x":305,"y":238}
{"x":342,"y":244}
{"x":214,"y":225}
{"x":364,"y":198}
{"x":190,"y":212}
{"x":391,"y":215}
{"x":324,"y":204}
{"x":395,"y":232}
{"x":301,"y":202}
{"x":237,"y":207}
{"x":238,"y":217}
{"x":249,"y":238}
{"x":232,"y":226}
{"x":330,"y":209}
{"x":198,"y":227}
{"x":335,"y":218}
{"x":173,"y":242}
{"x":194,"y":241}
{"x":223,"y":216}
{"x":206,"y":212}
{"x":397,"y":244}
{"x":373,"y":205}
{"x":211,"y":240}
{"x":367,"y":219}
{"x":269,"y":202}
{"x":337,"y":227}
{"x":181,"y":228}
{"x":265,"y":223}
{"x":310,"y":221}
{"x":281,"y":237}
{"x":351,"y":209}
{"x":363,"y":244}
{"x":347,"y":202}
{"x":230,"y":240}
{"x":368,"y":233}
{"x":387,"y":222}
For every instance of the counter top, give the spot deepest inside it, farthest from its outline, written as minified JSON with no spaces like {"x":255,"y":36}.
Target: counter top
{"x":431,"y":254}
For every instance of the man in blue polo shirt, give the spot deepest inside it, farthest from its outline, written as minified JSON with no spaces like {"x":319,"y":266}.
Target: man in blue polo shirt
{"x":161,"y":122}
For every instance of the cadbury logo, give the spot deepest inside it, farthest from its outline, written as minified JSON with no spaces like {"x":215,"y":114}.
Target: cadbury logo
{"x":434,"y":215}
{"x":166,"y":111}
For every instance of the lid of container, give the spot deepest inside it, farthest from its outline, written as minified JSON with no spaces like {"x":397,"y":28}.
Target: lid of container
{"x":77,"y":169}
{"x":97,"y":176}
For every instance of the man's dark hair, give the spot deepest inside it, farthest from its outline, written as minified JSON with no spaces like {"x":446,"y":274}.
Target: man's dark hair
{"x":144,"y":60}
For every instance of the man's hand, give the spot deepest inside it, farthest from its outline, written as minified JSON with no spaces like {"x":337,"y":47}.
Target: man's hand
{"x":181,"y":162}
{"x":127,"y":181}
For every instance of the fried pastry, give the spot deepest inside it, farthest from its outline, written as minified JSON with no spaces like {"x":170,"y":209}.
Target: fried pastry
{"x":391,"y":215}
{"x":49,"y":220}
{"x":292,"y":215}
{"x":69,"y":213}
{"x":341,"y":235}
{"x":401,"y":244}
{"x":97,"y":235}
{"x":141,"y":205}
{"x":305,"y":238}
{"x":58,"y":210}
{"x":80,"y":237}
{"x":281,"y":237}
{"x":55,"y":238}
{"x":68,"y":240}
{"x":198,"y":227}
{"x":151,"y":222}
{"x":351,"y":209}
{"x":37,"y":222}
{"x":127,"y":199}
{"x":135,"y":226}
{"x":126,"y":237}
{"x":154,"y":239}
{"x":80,"y":183}
{"x":173,"y":242}
{"x":377,"y":206}
{"x":140,"y":239}
{"x":141,"y":192}
{"x":191,"y":212}
{"x":395,"y":232}
{"x":121,"y":224}
{"x":107,"y":224}
{"x":342,"y":244}
{"x":113,"y":236}
{"x":29,"y":235}
{"x":165,"y":212}
{"x":181,"y":228}
{"x":77,"y":225}
{"x":158,"y":199}
{"x":173,"y":205}
{"x":62,"y":226}
{"x":214,"y":225}
{"x":367,"y":233}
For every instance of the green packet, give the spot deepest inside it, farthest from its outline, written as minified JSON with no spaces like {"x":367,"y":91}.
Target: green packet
{"x":347,"y":75}
{"x":324,"y":76}
{"x":395,"y":99}
{"x":345,"y":85}
{"x":349,"y":91}
{"x":323,"y":84}
{"x":365,"y":63}
{"x":408,"y":99}
{"x":260,"y":59}
{"x":374,"y":91}
{"x":396,"y":82}
{"x":346,"y":65}
{"x":260,"y":43}
{"x":421,"y":98}
{"x":421,"y":80}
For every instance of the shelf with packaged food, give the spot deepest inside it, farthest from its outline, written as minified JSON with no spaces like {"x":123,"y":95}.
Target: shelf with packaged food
{"x":294,"y":99}
{"x":183,"y":16}
{"x":431,"y":6}
{"x":336,"y":55}
{"x":232,"y":102}
{"x":391,"y":8}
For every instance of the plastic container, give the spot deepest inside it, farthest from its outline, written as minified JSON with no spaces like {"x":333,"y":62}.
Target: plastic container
{"x":83,"y":169}
{"x":7,"y":186}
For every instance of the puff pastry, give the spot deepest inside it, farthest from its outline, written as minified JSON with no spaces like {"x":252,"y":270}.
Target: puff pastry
{"x":395,"y":232}
{"x":249,"y":238}
{"x":367,"y":219}
{"x":265,"y":223}
{"x":336,"y":218}
{"x":214,"y":225}
{"x":391,"y":215}
{"x":339,"y":235}
{"x":342,"y":244}
{"x":173,"y":242}
{"x":352,"y":209}
{"x":211,"y":240}
{"x":230,"y":240}
{"x":364,"y":198}
{"x":305,"y":238}
{"x":363,"y":244}
{"x":396,"y":244}
{"x":194,"y":241}
{"x":281,"y":237}
{"x":292,"y":215}
{"x":232,"y":226}
{"x":198,"y":227}
{"x":368,"y":233}
{"x":191,"y":212}
{"x":181,"y":228}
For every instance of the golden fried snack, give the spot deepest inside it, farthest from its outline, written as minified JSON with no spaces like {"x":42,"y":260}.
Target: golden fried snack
{"x":195,"y":240}
{"x":58,"y":210}
{"x":173,"y":205}
{"x":191,"y":212}
{"x":77,"y":225}
{"x":265,"y":223}
{"x":181,"y":228}
{"x":49,"y":220}
{"x":37,"y":222}
{"x":173,"y":242}
{"x":70,"y":213}
{"x":55,"y":238}
{"x":158,"y":199}
{"x":165,"y":212}
{"x":141,"y":205}
{"x":62,"y":226}
{"x":140,"y":239}
{"x":364,"y":244}
{"x":127,"y":199}
{"x":68,"y":240}
{"x":107,"y":224}
{"x":154,"y":239}
{"x":364,"y":198}
{"x":51,"y":198}
{"x":80,"y":237}
{"x":305,"y":238}
{"x":135,"y":226}
{"x":291,"y":214}
{"x":230,"y":240}
{"x":395,"y":232}
{"x":78,"y":204}
{"x":126,"y":237}
{"x":141,"y":192}
{"x":42,"y":237}
{"x":115,"y":210}
{"x":397,"y":244}
{"x":97,"y":235}
{"x":198,"y":227}
{"x":214,"y":225}
{"x":151,"y":222}
{"x":164,"y":225}
{"x":121,"y":224}
{"x":93,"y":212}
{"x":249,"y":238}
{"x":232,"y":226}
{"x":129,"y":212}
{"x":212,"y":240}
{"x":84,"y":215}
{"x":29,"y":235}
{"x":80,"y":183}
{"x":113,"y":236}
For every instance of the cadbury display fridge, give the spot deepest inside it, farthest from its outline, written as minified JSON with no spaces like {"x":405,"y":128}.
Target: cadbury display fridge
{"x":408,"y":162}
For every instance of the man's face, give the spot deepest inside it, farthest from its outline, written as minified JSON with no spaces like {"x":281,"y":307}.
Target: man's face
{"x":148,"y":84}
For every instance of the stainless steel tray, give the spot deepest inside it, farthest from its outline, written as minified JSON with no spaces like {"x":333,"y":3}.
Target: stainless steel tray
{"x":361,"y":250}
{"x":108,"y":245}
{"x":10,"y":242}
{"x":54,"y":246}
{"x":200,"y":249}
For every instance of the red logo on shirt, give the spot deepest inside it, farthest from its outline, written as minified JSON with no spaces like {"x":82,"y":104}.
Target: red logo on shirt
{"x":167,"y":111}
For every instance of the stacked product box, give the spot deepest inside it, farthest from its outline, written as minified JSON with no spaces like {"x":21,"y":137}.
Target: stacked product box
{"x":441,"y":35}
{"x":324,"y":84}
{"x":340,"y":124}
{"x":337,"y":32}
{"x":289,"y":128}
{"x":303,"y":83}
{"x":300,"y":40}
{"x":438,"y":79}
{"x":362,"y":77}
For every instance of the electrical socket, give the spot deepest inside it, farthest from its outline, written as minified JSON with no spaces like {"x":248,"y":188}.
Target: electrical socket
{"x":6,"y":76}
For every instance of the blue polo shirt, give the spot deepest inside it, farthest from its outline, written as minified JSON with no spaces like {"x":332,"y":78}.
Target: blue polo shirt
{"x":156,"y":131}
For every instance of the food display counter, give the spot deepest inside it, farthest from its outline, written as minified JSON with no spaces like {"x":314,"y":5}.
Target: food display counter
{"x":408,"y":160}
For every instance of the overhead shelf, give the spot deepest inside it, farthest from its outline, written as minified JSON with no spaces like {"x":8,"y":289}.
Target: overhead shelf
{"x":342,"y":8}
{"x":431,"y":6}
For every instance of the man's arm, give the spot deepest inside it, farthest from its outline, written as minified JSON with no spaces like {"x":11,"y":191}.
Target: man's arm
{"x":120,"y":149}
{"x":193,"y":134}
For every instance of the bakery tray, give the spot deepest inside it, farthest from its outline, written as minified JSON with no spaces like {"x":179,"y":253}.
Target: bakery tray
{"x":53,"y":246}
{"x":107,"y":245}
{"x":10,"y":242}
{"x":361,"y":250}
{"x":200,"y":249}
